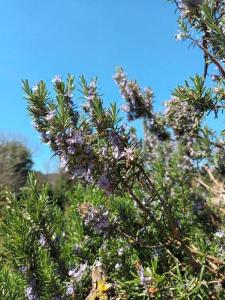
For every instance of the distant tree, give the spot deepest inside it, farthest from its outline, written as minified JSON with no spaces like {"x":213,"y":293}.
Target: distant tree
{"x":15,"y":163}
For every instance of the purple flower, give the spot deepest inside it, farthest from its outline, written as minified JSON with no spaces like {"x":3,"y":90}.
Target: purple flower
{"x":71,"y":149}
{"x":57,"y":79}
{"x":88,"y":176}
{"x":63,"y":161}
{"x":42,"y":240}
{"x":96,"y":218}
{"x":104,"y":151}
{"x":30,"y":292}
{"x":35,"y":88}
{"x":59,"y":139}
{"x":76,"y":138}
{"x":102,"y":223}
{"x":50,"y":115}
{"x":120,"y":76}
{"x":129,"y":154}
{"x":115,"y":139}
{"x":125,"y":107}
{"x":138,"y":102}
{"x":115,"y":152}
{"x":79,"y":172}
{"x":78,"y":272}
{"x":145,"y":280}
{"x":91,"y":91}
{"x":70,"y":289}
{"x":24,"y":270}
{"x":69,"y":94}
{"x":104,"y":184}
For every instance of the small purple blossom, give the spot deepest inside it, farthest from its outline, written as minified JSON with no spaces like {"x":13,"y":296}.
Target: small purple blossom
{"x":59,"y":140}
{"x":57,"y":79}
{"x":115,"y":152}
{"x":88,"y":176}
{"x":42,"y":240}
{"x":125,"y":107}
{"x":114,"y":138}
{"x":71,"y":150}
{"x":35,"y":88}
{"x":63,"y":161}
{"x":104,"y":184}
{"x":120,"y":76}
{"x":30,"y":292}
{"x":138,"y":103}
{"x":69,"y":94}
{"x":96,"y":218}
{"x":76,"y":138}
{"x":91,"y":91}
{"x":50,"y":115}
{"x":128,"y":154}
{"x":78,"y":272}
{"x":24,"y":270}
{"x":145,"y":280}
{"x":102,"y":223}
{"x":79,"y":172}
{"x":104,"y":151}
{"x":70,"y":289}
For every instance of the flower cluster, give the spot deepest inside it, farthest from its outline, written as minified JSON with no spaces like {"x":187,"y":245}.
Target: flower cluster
{"x":138,"y":103}
{"x":96,"y":218}
{"x":30,"y":292}
{"x":186,"y":109}
{"x":42,"y":240}
{"x":182,"y":117}
{"x":145,"y":280}
{"x":76,"y":275}
{"x":93,"y":148}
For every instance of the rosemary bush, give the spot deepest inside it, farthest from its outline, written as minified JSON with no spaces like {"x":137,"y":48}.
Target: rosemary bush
{"x":141,"y":221}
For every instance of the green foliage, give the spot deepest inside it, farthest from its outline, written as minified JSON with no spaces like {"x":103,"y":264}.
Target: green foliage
{"x":43,"y":243}
{"x":15,"y":163}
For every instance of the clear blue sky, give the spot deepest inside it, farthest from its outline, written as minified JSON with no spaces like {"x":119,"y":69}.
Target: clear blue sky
{"x":92,"y":37}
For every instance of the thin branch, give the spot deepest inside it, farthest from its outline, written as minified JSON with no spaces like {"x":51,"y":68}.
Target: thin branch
{"x":213,"y":59}
{"x":202,"y":183}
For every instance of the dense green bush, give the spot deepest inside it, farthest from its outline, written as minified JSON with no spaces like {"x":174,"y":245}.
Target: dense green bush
{"x":47,"y":253}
